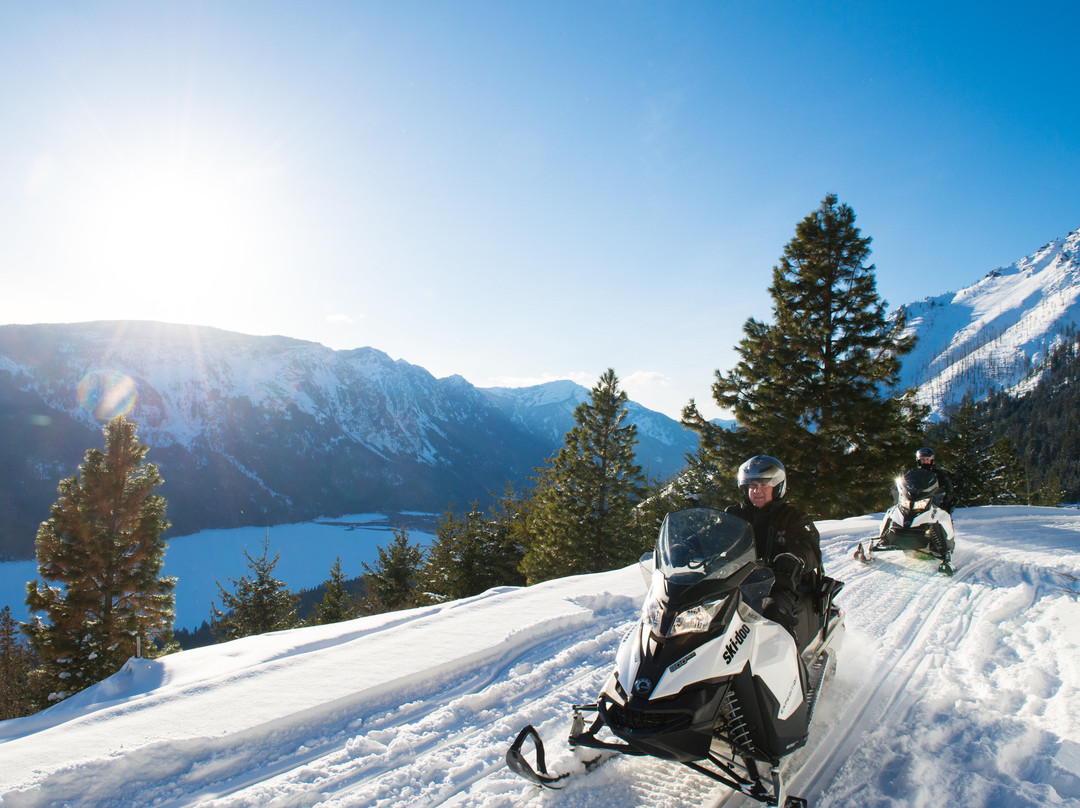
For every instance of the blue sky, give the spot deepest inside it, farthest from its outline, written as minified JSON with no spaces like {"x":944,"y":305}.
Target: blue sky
{"x":518,"y":192}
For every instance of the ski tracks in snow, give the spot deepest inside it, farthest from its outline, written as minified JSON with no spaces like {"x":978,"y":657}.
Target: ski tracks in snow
{"x":924,"y":649}
{"x":433,"y":752}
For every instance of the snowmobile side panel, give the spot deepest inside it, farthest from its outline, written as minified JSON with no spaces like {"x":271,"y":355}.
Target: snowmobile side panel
{"x":774,"y":660}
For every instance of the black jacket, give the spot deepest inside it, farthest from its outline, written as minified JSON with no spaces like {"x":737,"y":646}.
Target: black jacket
{"x":948,"y":495}
{"x":783,"y":528}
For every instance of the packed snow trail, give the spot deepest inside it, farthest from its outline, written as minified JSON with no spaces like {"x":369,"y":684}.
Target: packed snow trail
{"x":961,"y":690}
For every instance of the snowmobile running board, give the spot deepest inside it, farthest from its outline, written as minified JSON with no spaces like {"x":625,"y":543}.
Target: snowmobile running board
{"x":579,"y":737}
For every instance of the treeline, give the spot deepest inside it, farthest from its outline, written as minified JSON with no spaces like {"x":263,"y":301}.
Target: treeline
{"x":1044,"y":424}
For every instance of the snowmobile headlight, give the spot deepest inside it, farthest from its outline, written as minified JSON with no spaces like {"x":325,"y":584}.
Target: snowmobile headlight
{"x":922,"y":504}
{"x":653,"y":612}
{"x":696,"y":619}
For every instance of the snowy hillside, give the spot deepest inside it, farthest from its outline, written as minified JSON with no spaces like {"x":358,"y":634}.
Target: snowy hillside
{"x":961,"y":691}
{"x":996,"y":333}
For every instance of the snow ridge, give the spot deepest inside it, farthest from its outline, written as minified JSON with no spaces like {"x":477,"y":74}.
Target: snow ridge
{"x":997,"y":333}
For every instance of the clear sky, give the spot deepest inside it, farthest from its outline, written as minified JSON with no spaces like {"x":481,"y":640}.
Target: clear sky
{"x":518,"y":191}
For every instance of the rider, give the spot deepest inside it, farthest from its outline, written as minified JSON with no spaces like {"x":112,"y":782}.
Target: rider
{"x":924,"y":458}
{"x":786,"y":538}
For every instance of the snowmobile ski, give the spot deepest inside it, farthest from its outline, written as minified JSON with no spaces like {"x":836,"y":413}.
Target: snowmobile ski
{"x":518,"y":763}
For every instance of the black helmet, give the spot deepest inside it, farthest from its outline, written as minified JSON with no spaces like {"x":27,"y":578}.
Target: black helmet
{"x":924,"y":455}
{"x":766,"y":470}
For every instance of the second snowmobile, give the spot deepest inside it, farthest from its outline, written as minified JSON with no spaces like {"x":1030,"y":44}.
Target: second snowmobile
{"x":703,"y":678}
{"x":917,"y":523}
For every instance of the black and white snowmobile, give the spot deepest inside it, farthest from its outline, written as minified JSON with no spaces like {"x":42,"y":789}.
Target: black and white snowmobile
{"x":917,"y":523}
{"x":703,"y":678}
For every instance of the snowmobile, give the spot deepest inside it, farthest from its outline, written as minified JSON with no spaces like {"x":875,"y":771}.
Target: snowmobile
{"x":916,"y":523}
{"x":703,"y":678}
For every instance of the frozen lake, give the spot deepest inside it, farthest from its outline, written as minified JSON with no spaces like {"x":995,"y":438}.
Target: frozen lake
{"x":307,"y":551}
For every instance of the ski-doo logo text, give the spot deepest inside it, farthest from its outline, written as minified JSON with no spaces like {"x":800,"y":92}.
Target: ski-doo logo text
{"x":732,"y":648}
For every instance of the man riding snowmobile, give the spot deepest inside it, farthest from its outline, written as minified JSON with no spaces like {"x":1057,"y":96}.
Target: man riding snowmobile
{"x":924,"y":459}
{"x":705,"y":678}
{"x":921,"y":520}
{"x":786,"y":540}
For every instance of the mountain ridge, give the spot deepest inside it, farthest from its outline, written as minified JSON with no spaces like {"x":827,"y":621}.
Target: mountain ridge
{"x":996,"y":334}
{"x":250,"y":430}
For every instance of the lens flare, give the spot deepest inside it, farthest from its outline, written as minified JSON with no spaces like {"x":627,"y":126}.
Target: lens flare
{"x":106,"y":394}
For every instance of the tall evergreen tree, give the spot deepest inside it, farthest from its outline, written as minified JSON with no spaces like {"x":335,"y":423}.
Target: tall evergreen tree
{"x":257,"y":604}
{"x":584,"y":501}
{"x":338,"y":603}
{"x":818,"y":387}
{"x":16,"y":663}
{"x":100,"y":557}
{"x":393,"y":583}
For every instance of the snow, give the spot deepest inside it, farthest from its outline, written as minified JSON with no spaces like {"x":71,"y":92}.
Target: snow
{"x":948,"y":691}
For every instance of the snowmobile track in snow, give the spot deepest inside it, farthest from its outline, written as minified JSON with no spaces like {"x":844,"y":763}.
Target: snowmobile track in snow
{"x":374,"y":755}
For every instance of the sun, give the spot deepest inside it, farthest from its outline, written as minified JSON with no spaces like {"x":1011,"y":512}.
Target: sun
{"x":168,"y":218}
{"x":170,"y":239}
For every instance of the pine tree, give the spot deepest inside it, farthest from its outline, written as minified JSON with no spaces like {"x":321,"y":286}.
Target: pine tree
{"x":470,"y":555}
{"x":960,"y":445}
{"x":1007,"y":477}
{"x":16,"y":663}
{"x":818,"y":387}
{"x":985,"y":470}
{"x":100,"y":557}
{"x":583,"y":519}
{"x":338,"y":603}
{"x":258,"y":604}
{"x":393,"y":583}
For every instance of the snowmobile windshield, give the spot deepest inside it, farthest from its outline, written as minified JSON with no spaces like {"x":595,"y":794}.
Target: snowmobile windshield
{"x":698,"y":543}
{"x":916,"y":488}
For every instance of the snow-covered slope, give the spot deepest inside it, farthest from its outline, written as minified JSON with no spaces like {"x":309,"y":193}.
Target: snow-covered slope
{"x":961,"y":691}
{"x":996,"y":333}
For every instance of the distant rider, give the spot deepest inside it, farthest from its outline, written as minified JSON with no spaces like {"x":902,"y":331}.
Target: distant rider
{"x":786,"y":538}
{"x":925,"y":460}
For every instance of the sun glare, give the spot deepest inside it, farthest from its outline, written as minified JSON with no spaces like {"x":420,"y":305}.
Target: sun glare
{"x":174,"y":240}
{"x":166,"y":221}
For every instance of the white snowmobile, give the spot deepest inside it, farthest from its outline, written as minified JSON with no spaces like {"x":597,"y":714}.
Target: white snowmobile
{"x":916,"y":523}
{"x":703,"y":678}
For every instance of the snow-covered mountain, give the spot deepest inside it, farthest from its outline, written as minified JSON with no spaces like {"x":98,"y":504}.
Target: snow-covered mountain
{"x":948,"y":691}
{"x":265,"y":430}
{"x":995,"y":334}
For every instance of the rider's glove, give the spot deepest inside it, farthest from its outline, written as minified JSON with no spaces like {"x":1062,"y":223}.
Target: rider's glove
{"x":787,"y":569}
